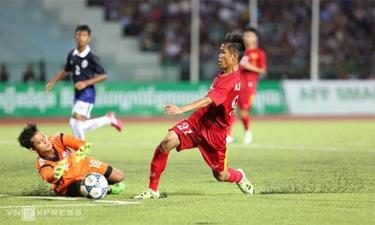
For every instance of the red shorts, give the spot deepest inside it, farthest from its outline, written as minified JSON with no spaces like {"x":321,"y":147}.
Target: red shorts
{"x":247,"y":94}
{"x":209,"y":140}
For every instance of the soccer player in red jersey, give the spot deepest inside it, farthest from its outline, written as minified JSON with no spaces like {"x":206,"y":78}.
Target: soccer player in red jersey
{"x":207,"y":127}
{"x":253,"y":65}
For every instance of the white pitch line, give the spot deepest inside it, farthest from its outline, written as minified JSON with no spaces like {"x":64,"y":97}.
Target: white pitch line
{"x":51,"y":198}
{"x":75,"y":199}
{"x":71,"y":205}
{"x":92,"y":203}
{"x":43,"y":197}
{"x":116,"y":202}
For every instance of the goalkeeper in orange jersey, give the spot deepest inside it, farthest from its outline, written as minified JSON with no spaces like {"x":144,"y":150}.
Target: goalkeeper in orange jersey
{"x":63,"y":161}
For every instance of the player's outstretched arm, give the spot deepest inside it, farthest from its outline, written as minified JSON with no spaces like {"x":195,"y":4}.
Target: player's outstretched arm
{"x":59,"y":76}
{"x":72,"y":142}
{"x":171,"y":109}
{"x":83,"y":84}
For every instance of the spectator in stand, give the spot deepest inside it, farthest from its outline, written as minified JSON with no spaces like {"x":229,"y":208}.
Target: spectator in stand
{"x":347,"y":33}
{"x":3,"y":74}
{"x":42,"y":69}
{"x":29,"y":74}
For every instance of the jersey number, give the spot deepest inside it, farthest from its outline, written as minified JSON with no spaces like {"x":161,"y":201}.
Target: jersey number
{"x":77,"y":72}
{"x":95,"y":163}
{"x":184,"y":127}
{"x":234,"y":106}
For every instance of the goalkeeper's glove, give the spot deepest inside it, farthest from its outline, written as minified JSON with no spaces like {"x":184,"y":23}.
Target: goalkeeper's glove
{"x":83,"y":152}
{"x":58,"y":171}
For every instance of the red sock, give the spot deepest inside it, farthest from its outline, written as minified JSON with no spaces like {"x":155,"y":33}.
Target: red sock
{"x":235,"y":176}
{"x":245,"y":122}
{"x":158,"y":164}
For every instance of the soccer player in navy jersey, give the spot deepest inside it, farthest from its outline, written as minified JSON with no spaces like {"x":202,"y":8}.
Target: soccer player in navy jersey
{"x":86,"y":71}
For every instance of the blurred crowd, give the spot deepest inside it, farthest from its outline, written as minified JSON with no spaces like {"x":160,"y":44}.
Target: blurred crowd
{"x":33,"y":72}
{"x":28,"y":75}
{"x":346,"y":36}
{"x":347,"y":39}
{"x":347,"y":33}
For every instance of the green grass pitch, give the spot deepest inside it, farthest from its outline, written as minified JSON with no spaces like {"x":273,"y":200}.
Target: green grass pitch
{"x":304,"y":172}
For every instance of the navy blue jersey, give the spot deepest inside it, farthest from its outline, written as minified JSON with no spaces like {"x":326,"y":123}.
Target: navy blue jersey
{"x":84,"y":66}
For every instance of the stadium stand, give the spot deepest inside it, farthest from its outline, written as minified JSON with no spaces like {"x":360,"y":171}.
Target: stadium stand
{"x":153,"y":39}
{"x":285,"y":36}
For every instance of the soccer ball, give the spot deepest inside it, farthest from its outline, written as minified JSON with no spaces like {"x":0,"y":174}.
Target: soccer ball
{"x":94,"y":186}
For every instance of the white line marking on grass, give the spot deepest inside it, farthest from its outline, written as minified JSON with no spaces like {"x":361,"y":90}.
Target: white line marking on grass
{"x":72,"y":205}
{"x":74,"y":199}
{"x":50,"y":198}
{"x":116,"y":202}
{"x":90,"y":204}
{"x":43,"y":197}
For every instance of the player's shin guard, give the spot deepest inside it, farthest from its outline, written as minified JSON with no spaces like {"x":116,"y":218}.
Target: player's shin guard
{"x":234,"y":177}
{"x":158,"y":164}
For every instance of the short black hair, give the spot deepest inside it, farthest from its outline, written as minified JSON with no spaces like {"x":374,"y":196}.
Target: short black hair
{"x":251,"y":29}
{"x":25,"y":137}
{"x":235,"y":44}
{"x":83,"y":27}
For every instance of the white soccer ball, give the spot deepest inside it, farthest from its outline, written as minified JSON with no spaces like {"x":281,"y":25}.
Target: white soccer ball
{"x":94,"y":186}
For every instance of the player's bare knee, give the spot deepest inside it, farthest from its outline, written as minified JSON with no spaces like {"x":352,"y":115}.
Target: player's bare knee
{"x":170,"y":142}
{"x":164,"y":145}
{"x":116,"y":176}
{"x":120,"y":175}
{"x":221,"y":177}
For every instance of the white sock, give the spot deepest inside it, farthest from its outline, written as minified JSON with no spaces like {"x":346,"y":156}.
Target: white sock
{"x":78,"y":132}
{"x":93,"y":124}
{"x":79,"y":127}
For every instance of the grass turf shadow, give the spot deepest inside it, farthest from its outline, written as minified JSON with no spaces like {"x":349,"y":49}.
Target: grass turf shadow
{"x":339,"y":181}
{"x":40,"y":189}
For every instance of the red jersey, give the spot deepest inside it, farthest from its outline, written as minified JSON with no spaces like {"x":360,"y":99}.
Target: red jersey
{"x":224,"y":93}
{"x":256,"y":57}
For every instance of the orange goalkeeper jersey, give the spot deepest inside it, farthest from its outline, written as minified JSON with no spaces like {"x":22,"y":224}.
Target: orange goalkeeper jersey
{"x":64,"y":146}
